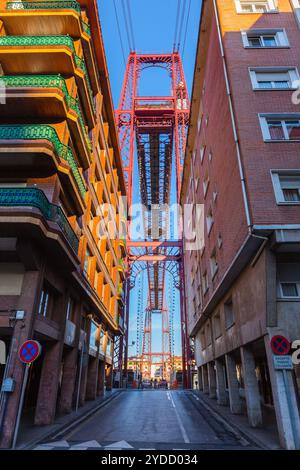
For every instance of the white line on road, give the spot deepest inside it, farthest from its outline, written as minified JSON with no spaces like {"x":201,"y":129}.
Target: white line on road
{"x":182,"y":429}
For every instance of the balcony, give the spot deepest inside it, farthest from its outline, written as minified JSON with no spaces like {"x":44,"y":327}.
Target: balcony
{"x":33,"y":197}
{"x":34,"y":94}
{"x":47,"y":55}
{"x":32,"y":132}
{"x":44,"y":17}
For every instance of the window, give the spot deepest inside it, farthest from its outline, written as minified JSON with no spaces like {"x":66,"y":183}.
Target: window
{"x":93,"y":335}
{"x":46,"y":302}
{"x":217,"y":325}
{"x":208,"y":335}
{"x":288,"y":275}
{"x":86,"y":262}
{"x":70,"y":310}
{"x":287,"y":187}
{"x":202,"y":340}
{"x":258,"y":6}
{"x":101,"y":341}
{"x":280,"y":128}
{"x":209,"y":221}
{"x":204,"y":282}
{"x":213,"y":264}
{"x":265,"y":38}
{"x":202,"y":152}
{"x":229,"y":314}
{"x":274,"y":79}
{"x":205,"y":184}
{"x":290,"y":289}
{"x":109,"y":346}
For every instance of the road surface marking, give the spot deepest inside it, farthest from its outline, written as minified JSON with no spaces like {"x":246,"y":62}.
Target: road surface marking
{"x":182,"y":429}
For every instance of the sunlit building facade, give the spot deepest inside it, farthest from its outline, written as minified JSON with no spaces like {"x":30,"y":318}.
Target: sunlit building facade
{"x":61,"y":280}
{"x":242,"y":166}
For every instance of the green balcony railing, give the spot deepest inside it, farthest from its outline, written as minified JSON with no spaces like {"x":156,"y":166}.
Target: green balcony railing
{"x":34,"y":197}
{"x":57,"y":40}
{"x":43,"y":131}
{"x":49,"y":5}
{"x":48,"y":81}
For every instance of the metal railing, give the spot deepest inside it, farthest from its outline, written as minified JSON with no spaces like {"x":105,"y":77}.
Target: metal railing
{"x":50,"y":5}
{"x":43,"y":131}
{"x":34,"y":197}
{"x":54,"y":40}
{"x":48,"y":81}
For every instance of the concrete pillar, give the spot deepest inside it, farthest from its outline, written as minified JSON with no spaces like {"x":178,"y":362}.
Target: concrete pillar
{"x":84,"y":374}
{"x":68,"y":381}
{"x":108,"y":377}
{"x":47,"y":397}
{"x":233,"y":385}
{"x":28,"y":300}
{"x":254,"y":410}
{"x":212,"y":387}
{"x":285,"y":402}
{"x":222,"y":397}
{"x":200,"y":381}
{"x":92,"y":377}
{"x":205,"y":379}
{"x":101,"y":378}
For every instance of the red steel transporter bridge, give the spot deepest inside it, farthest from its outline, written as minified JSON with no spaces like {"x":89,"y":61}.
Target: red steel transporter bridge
{"x":158,"y":126}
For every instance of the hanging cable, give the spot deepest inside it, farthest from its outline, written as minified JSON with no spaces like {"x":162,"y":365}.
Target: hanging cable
{"x":181,"y":24}
{"x":127,"y":26}
{"x":130,"y":24}
{"x":186,"y":27}
{"x":176,"y":24}
{"x":119,"y":32}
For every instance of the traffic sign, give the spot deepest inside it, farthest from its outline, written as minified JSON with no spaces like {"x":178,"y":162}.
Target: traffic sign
{"x":29,"y":351}
{"x":283,"y":362}
{"x":280,"y":345}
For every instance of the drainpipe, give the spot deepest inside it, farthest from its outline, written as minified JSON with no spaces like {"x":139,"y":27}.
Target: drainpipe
{"x":234,"y":127}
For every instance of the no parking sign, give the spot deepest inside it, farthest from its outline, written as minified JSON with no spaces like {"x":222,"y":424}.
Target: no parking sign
{"x":29,"y":351}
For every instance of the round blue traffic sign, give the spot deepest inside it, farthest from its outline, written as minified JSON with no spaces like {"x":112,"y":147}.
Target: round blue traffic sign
{"x":29,"y":351}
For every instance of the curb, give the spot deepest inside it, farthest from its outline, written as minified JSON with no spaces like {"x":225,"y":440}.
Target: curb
{"x":239,"y":434}
{"x":57,"y":433}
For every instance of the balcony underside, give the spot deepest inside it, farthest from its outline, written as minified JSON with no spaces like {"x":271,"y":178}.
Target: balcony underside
{"x":29,"y":224}
{"x":46,"y":60}
{"x":46,"y":105}
{"x":37,"y":159}
{"x":43,"y":22}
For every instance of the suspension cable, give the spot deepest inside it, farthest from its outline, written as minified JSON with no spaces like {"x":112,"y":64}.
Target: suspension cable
{"x":181,"y":24}
{"x":119,"y":32}
{"x":130,"y":24}
{"x":176,"y":24}
{"x":127,"y":26}
{"x":186,"y":27}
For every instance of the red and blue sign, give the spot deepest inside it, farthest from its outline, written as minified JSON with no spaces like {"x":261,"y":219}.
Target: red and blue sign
{"x":29,"y":351}
{"x":280,"y":345}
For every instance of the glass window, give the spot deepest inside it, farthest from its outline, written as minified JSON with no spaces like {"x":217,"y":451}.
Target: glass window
{"x":290,"y":289}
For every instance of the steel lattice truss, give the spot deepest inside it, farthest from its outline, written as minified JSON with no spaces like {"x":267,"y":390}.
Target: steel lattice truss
{"x":158,"y":126}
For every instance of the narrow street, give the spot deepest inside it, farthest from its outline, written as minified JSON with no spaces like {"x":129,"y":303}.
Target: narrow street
{"x":150,"y":420}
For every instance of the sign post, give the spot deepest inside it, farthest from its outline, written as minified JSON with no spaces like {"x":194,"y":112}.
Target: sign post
{"x":28,"y":353}
{"x":283,"y":362}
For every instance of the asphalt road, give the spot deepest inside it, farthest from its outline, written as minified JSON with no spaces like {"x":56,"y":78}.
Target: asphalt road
{"x":146,"y":419}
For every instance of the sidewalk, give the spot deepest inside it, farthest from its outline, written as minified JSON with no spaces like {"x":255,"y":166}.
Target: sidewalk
{"x":266,"y":438}
{"x":30,"y":435}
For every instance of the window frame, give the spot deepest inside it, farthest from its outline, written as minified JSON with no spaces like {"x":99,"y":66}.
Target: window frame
{"x":282,"y":296}
{"x":280,"y":35}
{"x":270,"y":4}
{"x":264,"y":118}
{"x":279,"y":195}
{"x":292,"y":71}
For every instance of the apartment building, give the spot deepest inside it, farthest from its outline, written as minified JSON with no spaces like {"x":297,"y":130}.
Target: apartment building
{"x":61,"y":257}
{"x":242,"y":164}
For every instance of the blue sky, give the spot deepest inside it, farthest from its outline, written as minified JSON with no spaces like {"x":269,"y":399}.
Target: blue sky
{"x":154,"y":30}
